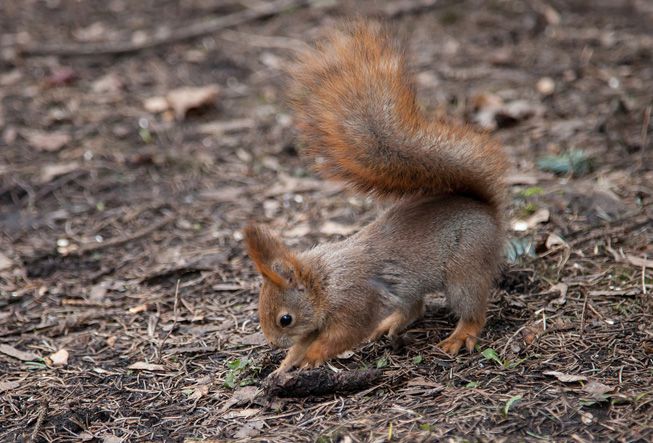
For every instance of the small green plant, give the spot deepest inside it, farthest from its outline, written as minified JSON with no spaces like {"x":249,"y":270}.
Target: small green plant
{"x":418,"y":359}
{"x":532,"y":191}
{"x":511,"y":401}
{"x":238,"y":372}
{"x":492,"y":355}
{"x":472,"y":385}
{"x":382,"y":362}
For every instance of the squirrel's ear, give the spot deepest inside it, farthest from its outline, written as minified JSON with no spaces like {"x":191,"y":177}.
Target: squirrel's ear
{"x":265,"y":249}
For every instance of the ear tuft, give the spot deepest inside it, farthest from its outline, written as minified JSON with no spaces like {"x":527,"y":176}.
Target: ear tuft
{"x":265,"y":249}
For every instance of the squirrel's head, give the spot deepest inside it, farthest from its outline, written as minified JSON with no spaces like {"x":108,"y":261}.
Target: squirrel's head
{"x":286,"y":308}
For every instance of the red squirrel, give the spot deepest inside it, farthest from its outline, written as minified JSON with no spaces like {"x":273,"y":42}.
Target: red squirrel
{"x":356,"y":112}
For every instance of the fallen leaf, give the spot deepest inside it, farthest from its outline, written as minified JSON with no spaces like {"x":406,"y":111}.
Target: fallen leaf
{"x":50,"y":172}
{"x":15,"y":353}
{"x":492,"y":112}
{"x":47,"y":141}
{"x":243,"y":395}
{"x":8,"y":385}
{"x":250,"y":429}
{"x":5,"y":262}
{"x":554,"y":240}
{"x":59,"y":358}
{"x":596,"y":388}
{"x":540,"y":216}
{"x":565,"y":378}
{"x":562,"y":288}
{"x":182,"y":100}
{"x":199,"y":392}
{"x":143,"y":366}
{"x":345,"y":355}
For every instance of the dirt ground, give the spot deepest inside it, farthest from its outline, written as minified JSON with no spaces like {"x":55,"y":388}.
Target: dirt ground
{"x":128,"y":308}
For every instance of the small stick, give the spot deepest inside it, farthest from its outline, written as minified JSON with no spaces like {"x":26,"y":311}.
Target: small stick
{"x":319,"y":382}
{"x":194,"y":30}
{"x":120,"y":240}
{"x":43,"y":412}
{"x":582,"y":315}
{"x":644,"y":133}
{"x":174,"y":322}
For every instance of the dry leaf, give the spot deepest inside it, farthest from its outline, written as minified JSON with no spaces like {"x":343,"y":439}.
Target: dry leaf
{"x":8,"y":385}
{"x":143,"y":366}
{"x":596,"y":388}
{"x":540,"y":216}
{"x":50,"y":172}
{"x":199,"y":392}
{"x":345,"y":355}
{"x":246,"y":394}
{"x":47,"y":141}
{"x":15,"y":353}
{"x":5,"y":262}
{"x":182,"y":100}
{"x":565,"y":378}
{"x":250,"y":429}
{"x":554,"y":240}
{"x":59,"y":358}
{"x":562,"y":288}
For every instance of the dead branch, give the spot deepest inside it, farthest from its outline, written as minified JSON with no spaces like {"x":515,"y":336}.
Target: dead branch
{"x":320,"y":382}
{"x":188,"y":32}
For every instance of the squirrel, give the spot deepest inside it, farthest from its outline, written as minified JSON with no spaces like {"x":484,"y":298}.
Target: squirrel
{"x":355,"y":108}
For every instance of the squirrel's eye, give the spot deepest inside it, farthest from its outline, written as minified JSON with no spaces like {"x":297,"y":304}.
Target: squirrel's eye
{"x":285,"y":320}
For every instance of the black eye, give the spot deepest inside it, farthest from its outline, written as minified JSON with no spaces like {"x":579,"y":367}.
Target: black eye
{"x":285,"y":320}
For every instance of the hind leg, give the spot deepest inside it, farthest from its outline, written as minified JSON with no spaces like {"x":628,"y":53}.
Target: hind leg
{"x":397,"y":322}
{"x":468,"y":300}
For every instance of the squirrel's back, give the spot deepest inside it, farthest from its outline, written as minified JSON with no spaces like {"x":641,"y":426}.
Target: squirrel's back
{"x":356,"y":111}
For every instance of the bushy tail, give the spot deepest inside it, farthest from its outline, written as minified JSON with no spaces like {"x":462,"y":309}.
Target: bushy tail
{"x":355,"y":107}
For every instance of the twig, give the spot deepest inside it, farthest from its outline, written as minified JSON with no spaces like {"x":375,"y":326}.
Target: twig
{"x":644,"y":133}
{"x":582,"y":315}
{"x":188,"y":32}
{"x":43,"y":412}
{"x":319,"y":382}
{"x":174,"y":321}
{"x":616,"y":230}
{"x":120,"y":240}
